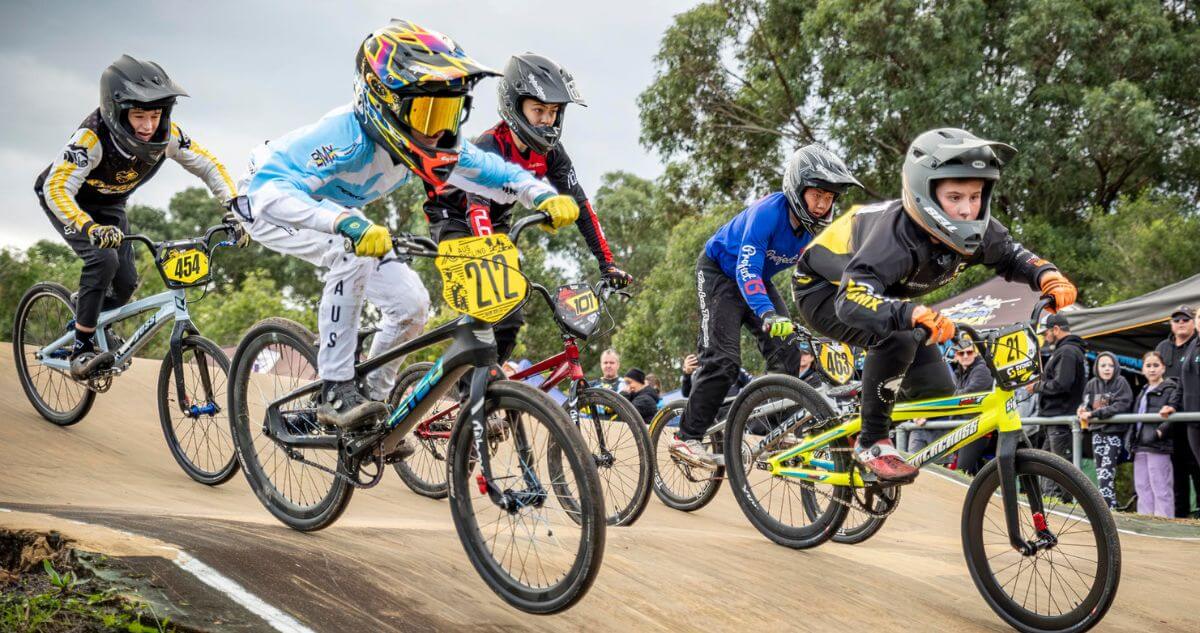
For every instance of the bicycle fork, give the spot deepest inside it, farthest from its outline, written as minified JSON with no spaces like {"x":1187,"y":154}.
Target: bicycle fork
{"x":510,"y":500}
{"x":1006,"y":457}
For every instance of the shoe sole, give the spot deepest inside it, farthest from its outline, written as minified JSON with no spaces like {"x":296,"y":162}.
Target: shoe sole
{"x":691,"y":461}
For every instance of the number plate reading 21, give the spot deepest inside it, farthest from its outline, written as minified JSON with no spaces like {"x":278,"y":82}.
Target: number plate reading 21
{"x":481,"y":276}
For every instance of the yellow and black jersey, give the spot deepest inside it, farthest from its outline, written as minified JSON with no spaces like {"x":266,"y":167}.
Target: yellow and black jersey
{"x":93,"y":171}
{"x":878,"y":257}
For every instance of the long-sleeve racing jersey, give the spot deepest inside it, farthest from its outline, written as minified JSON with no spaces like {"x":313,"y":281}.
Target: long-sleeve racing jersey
{"x":92,"y":170}
{"x":755,"y":245}
{"x":309,"y":177}
{"x":480,"y":213}
{"x":878,"y":257}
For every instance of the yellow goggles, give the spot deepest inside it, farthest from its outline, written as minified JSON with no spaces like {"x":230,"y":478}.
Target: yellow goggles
{"x":430,"y":115}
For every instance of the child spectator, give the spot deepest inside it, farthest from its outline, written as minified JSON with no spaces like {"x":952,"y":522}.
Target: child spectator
{"x":1151,"y":444}
{"x":1105,"y":395}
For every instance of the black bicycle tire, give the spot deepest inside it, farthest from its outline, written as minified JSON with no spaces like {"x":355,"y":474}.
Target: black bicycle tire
{"x":166,"y":386}
{"x":334,"y":502}
{"x":770,"y":387}
{"x":658,"y":426}
{"x":628,"y":415}
{"x":1042,"y":464}
{"x":504,"y":394}
{"x":66,"y":418}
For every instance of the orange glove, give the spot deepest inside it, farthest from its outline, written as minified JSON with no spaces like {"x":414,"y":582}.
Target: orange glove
{"x":1056,"y":286}
{"x":941,"y":329}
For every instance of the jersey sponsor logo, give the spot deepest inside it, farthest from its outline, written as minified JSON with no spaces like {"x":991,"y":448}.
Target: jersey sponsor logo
{"x":104,"y":187}
{"x":781,"y":259}
{"x":480,"y":221}
{"x":572,"y":179}
{"x":76,"y":154}
{"x":185,"y":141}
{"x":127,"y":175}
{"x":752,"y":284}
{"x":349,"y":193}
{"x":754,"y":287}
{"x":863,"y":295}
{"x":323,"y":155}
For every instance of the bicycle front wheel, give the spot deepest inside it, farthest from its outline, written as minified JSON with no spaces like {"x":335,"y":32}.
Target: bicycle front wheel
{"x":676,"y":483}
{"x":540,"y":553}
{"x":616,"y":437}
{"x":1069,"y":583}
{"x":197,"y":428}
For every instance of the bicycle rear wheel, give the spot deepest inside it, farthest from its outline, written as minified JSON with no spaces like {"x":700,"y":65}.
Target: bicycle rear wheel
{"x":1067,"y":586}
{"x":275,"y":358}
{"x":197,"y":430}
{"x":678,"y":484}
{"x":775,"y":504}
{"x":43,"y":315}
{"x":424,"y":472}
{"x":542,"y":554}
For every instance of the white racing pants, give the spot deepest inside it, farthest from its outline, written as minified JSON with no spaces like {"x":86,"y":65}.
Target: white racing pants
{"x":389,"y":284}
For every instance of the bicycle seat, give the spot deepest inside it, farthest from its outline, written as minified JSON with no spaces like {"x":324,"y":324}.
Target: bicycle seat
{"x":846,"y":391}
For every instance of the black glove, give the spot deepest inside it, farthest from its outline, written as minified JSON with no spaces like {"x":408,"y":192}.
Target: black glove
{"x":615,"y":276}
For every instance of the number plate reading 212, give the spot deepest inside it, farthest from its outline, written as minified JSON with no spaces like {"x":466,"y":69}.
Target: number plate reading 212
{"x":481,"y":276}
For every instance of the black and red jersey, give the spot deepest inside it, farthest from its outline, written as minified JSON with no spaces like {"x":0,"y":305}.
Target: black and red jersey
{"x":482,"y":216}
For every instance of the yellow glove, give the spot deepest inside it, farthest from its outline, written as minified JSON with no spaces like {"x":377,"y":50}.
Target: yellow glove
{"x":369,"y":239}
{"x":562,"y":210}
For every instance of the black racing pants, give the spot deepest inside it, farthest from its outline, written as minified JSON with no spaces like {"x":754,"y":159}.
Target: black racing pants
{"x":506,"y":330}
{"x":723,"y":312}
{"x":109,"y":275}
{"x":895,"y":365}
{"x":1187,"y":472}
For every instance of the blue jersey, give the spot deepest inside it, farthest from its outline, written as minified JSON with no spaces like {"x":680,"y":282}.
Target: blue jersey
{"x":309,"y":177}
{"x":755,"y":245}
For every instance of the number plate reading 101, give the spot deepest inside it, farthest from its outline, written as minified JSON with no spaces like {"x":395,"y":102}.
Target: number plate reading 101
{"x":185,"y":266}
{"x":481,"y":276}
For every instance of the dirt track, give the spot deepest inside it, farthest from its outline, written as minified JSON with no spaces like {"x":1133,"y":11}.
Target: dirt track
{"x":394,"y":562}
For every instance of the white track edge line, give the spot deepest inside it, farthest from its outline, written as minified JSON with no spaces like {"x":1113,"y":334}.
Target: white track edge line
{"x":278,"y":620}
{"x":1122,"y":531}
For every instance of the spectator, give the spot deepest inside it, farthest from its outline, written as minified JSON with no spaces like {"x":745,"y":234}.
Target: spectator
{"x":509,"y":368}
{"x":610,"y":368}
{"x":1189,"y":389}
{"x":1151,"y":444}
{"x":1061,"y":389}
{"x":1106,"y":395}
{"x":643,"y":396}
{"x":971,"y":375}
{"x":1183,"y":463}
{"x":808,"y":373}
{"x":653,"y":381}
{"x":691,"y":362}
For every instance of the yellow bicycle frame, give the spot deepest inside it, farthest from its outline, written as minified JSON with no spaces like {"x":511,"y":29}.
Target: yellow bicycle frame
{"x":989,"y":410}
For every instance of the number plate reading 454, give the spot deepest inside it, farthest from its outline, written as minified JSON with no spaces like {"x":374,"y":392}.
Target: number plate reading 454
{"x":481,"y":276}
{"x":185,"y":266}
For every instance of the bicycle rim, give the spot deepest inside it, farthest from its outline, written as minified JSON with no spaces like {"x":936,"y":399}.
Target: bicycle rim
{"x":43,"y":316}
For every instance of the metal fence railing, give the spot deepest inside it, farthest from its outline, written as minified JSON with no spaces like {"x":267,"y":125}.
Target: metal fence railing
{"x":1077,"y":432}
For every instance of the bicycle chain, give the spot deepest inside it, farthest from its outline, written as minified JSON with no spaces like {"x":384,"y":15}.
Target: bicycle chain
{"x":856,"y":501}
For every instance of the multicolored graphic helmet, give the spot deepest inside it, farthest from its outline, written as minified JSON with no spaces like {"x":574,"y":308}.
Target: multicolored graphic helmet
{"x":411,"y":96}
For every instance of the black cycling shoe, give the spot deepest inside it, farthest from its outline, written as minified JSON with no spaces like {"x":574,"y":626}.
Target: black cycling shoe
{"x":87,"y":364}
{"x":345,"y":407}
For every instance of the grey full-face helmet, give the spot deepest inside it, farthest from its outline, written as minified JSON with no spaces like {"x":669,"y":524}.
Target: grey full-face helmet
{"x":945,"y":153}
{"x":814,"y":166}
{"x":532,"y":76}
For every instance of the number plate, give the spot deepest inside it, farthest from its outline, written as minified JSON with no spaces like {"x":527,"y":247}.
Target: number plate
{"x":1015,"y":356}
{"x":481,"y":276}
{"x":578,"y":307}
{"x":185,"y":266}
{"x":837,"y":361}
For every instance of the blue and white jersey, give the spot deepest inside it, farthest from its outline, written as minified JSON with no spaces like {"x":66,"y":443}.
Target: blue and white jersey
{"x":755,"y":245}
{"x":310,"y":176}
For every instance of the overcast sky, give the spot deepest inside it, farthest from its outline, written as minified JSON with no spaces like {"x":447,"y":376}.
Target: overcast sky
{"x":257,"y":69}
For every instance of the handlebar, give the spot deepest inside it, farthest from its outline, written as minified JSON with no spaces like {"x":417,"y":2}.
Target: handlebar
{"x":920,"y":334}
{"x":207,"y":237}
{"x":409,"y":244}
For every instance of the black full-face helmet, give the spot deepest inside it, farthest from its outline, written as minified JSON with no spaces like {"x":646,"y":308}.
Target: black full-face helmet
{"x":131,"y":83}
{"x":945,"y":153}
{"x":531,"y":76}
{"x":814,"y":166}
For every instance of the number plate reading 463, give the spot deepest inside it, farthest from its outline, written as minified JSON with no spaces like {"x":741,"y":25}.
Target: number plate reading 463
{"x":481,"y":276}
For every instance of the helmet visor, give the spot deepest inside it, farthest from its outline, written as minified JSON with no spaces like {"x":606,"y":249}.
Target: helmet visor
{"x":431,"y":115}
